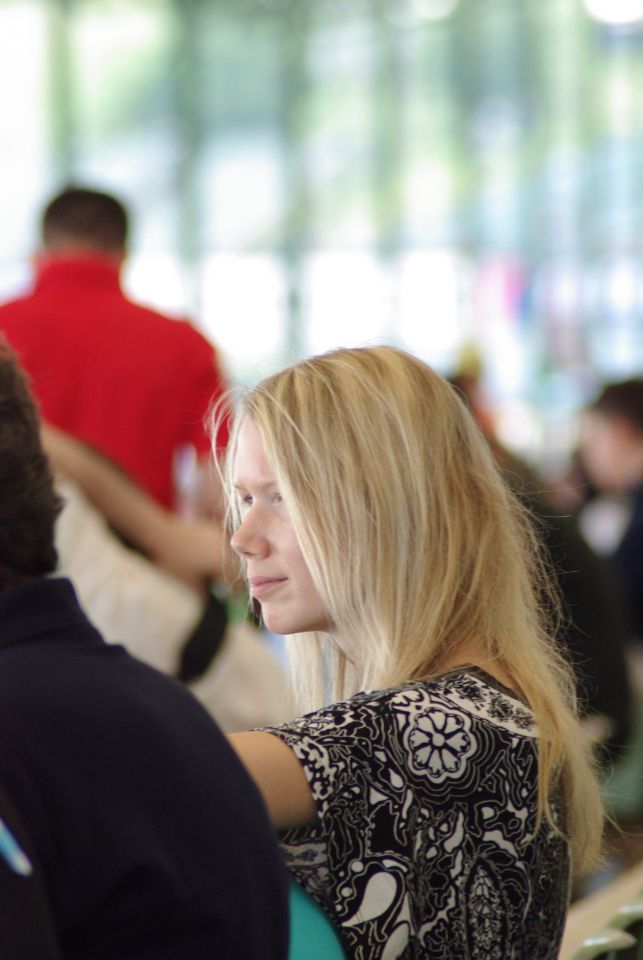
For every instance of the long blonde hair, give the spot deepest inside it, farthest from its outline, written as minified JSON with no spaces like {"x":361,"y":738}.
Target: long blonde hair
{"x":417,"y":548}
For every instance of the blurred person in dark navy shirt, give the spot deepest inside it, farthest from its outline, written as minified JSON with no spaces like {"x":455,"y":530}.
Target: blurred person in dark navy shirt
{"x":152,"y":841}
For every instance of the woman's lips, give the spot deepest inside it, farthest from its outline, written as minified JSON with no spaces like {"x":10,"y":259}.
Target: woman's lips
{"x":262,"y":585}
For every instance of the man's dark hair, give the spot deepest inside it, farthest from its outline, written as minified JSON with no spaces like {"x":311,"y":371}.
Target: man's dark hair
{"x":624,"y":399}
{"x":89,"y":218}
{"x":29,"y":504}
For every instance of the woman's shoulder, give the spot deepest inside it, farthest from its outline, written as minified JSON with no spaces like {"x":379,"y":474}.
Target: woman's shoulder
{"x":448,"y":706}
{"x":466,"y":690}
{"x":439,"y":737}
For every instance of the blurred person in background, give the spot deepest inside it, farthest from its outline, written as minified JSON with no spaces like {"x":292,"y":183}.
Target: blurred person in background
{"x":121,"y":377}
{"x":612,"y":454}
{"x":153,"y":842}
{"x":594,"y":630}
{"x":126,"y":380}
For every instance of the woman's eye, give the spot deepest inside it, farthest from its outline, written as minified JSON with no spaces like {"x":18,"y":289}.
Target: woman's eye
{"x":246,"y":500}
{"x":278,"y":498}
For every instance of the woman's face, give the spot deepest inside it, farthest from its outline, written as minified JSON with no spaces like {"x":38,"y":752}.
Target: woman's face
{"x":277,"y":574}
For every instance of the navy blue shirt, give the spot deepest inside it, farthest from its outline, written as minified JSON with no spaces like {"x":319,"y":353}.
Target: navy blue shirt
{"x":26,"y":925}
{"x":153,"y":841}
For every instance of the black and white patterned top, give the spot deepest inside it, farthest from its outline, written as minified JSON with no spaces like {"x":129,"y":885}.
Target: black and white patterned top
{"x":427,"y":844}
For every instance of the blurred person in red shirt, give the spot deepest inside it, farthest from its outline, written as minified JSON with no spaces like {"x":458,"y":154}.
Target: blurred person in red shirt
{"x":125,"y":379}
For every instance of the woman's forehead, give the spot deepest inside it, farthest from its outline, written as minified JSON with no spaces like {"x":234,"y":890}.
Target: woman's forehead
{"x":250,"y":464}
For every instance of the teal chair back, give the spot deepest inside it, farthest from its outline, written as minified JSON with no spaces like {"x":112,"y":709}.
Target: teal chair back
{"x":312,"y":935}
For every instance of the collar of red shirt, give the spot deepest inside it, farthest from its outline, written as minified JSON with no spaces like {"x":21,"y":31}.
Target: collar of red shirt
{"x":91,"y":270}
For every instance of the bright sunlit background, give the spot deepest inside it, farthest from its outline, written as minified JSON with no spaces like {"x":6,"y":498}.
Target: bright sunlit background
{"x":463,"y":178}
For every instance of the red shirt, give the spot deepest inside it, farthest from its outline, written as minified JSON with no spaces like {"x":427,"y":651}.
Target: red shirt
{"x":127,"y":380}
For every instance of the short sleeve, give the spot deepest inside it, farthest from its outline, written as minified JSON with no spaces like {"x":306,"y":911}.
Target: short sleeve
{"x":426,"y":796}
{"x":351,"y":757}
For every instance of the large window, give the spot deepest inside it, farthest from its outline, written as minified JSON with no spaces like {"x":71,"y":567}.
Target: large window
{"x":460,"y":178}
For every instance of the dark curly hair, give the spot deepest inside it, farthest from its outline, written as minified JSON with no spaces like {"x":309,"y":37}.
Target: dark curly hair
{"x":29,"y":504}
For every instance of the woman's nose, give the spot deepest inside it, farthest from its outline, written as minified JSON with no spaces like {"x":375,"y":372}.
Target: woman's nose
{"x":247,"y":541}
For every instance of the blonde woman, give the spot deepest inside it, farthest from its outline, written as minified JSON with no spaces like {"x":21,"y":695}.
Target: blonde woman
{"x":438,"y":806}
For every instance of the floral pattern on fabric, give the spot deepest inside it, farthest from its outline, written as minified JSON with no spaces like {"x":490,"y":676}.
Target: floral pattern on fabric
{"x":440,"y":743}
{"x":427,"y":844}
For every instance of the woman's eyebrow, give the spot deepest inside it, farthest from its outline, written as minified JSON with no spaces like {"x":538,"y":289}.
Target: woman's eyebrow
{"x":256,"y":484}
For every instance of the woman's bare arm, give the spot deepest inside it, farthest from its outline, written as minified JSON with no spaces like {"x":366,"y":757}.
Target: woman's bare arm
{"x":279,"y":776}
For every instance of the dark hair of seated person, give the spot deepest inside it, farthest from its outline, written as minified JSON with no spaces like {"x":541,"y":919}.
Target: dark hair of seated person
{"x":29,"y":505}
